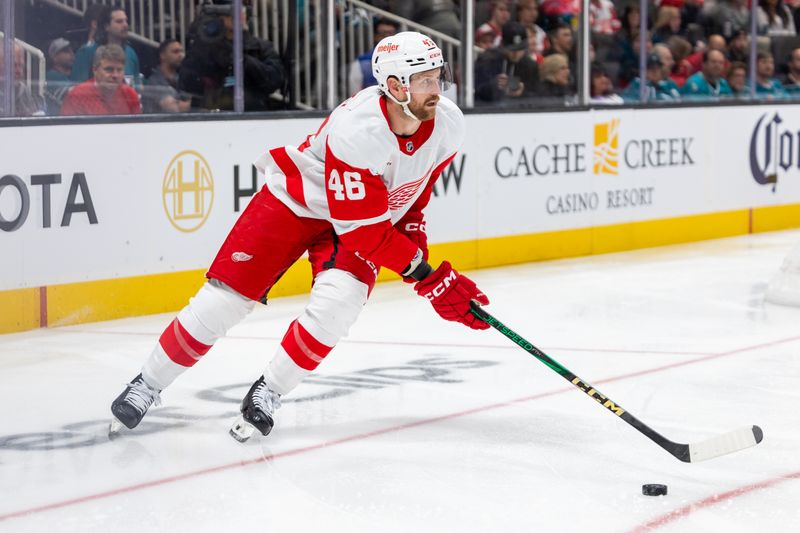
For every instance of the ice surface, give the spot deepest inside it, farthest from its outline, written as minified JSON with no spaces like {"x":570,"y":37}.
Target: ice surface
{"x":414,"y":424}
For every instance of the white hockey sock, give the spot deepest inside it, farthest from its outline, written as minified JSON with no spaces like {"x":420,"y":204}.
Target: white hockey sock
{"x":209,"y":315}
{"x":337,"y":299}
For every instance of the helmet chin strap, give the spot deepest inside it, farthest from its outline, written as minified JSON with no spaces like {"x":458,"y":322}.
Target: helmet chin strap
{"x":404,"y":105}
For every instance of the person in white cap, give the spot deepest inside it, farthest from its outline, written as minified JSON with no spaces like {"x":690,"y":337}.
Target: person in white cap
{"x":352,"y":194}
{"x":62,"y":56}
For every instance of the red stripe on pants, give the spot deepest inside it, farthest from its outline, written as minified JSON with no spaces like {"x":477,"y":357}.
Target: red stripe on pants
{"x":306,"y":351}
{"x":181,"y":347}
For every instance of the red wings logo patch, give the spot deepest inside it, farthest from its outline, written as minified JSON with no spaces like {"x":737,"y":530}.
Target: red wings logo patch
{"x":404,"y":193}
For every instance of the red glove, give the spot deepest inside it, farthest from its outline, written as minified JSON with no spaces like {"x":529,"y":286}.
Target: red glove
{"x":413,"y":226}
{"x":450,"y":294}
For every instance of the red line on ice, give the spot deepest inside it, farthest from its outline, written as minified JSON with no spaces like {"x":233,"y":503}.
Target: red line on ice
{"x":407,"y":343}
{"x":710,"y":501}
{"x":362,"y":436}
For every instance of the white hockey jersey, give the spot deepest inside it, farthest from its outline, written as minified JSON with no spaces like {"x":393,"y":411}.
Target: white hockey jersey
{"x":359,"y":175}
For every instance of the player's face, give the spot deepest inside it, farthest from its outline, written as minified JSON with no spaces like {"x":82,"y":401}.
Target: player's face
{"x":425,"y":88}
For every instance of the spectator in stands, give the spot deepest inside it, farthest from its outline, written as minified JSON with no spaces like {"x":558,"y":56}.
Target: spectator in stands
{"x":602,"y":90}
{"x":58,"y":83}
{"x":440,"y":15}
{"x":774,"y":18}
{"x":737,"y":80}
{"x":767,"y":87}
{"x":691,"y":12}
{"x":527,"y":15}
{"x":555,"y":86}
{"x":91,"y":18}
{"x":681,"y":50}
{"x":625,"y":50}
{"x":739,"y":46}
{"x":207,"y":72}
{"x":710,"y":82}
{"x":105,"y":93}
{"x":562,"y":41}
{"x":560,"y":11}
{"x":657,"y":87}
{"x":499,"y":15}
{"x":161,"y":93}
{"x":112,"y":29}
{"x":667,"y":64}
{"x":507,"y":73}
{"x":728,"y":17}
{"x":715,"y":42}
{"x":791,"y":82}
{"x":360,"y":75}
{"x":484,"y":39}
{"x":603,"y":17}
{"x":26,"y":103}
{"x":668,"y":23}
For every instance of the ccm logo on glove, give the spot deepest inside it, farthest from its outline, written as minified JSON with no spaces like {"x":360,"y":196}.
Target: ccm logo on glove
{"x":450,"y":293}
{"x":442,"y":286}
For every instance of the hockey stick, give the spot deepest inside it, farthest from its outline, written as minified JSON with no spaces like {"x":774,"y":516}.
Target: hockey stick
{"x":724,"y":444}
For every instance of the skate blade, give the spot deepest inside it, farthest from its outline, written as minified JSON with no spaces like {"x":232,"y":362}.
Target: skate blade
{"x":114,"y":428}
{"x":242,"y":430}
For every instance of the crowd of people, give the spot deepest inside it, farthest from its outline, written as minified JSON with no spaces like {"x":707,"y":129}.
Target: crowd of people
{"x":696,"y":50}
{"x":529,"y":56}
{"x":103,"y":76}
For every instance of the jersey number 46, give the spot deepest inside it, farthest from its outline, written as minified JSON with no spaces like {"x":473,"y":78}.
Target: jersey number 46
{"x":346,"y":186}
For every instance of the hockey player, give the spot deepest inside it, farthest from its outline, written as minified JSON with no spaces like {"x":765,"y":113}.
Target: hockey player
{"x":351,"y":195}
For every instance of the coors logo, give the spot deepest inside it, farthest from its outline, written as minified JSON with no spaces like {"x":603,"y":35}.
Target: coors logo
{"x":771,"y":149}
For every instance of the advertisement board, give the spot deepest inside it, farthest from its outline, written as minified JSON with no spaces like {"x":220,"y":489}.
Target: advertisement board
{"x":100,"y":202}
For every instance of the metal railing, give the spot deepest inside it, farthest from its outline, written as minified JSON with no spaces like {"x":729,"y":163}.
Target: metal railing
{"x":35,"y":66}
{"x":153,"y":21}
{"x":356,"y":37}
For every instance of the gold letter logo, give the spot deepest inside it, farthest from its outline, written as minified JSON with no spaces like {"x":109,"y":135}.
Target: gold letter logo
{"x":188,"y":191}
{"x":606,"y":148}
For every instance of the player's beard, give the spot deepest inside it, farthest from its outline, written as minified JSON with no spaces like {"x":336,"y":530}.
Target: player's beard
{"x":426,"y":109}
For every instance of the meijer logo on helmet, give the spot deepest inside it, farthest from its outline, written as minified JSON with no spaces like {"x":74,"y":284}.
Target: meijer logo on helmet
{"x":388,"y":47}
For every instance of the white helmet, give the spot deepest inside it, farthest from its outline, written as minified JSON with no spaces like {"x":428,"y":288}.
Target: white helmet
{"x":402,"y":55}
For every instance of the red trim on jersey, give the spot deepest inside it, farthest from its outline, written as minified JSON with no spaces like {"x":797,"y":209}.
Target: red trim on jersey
{"x":353,"y":193}
{"x":294,"y":180}
{"x":416,"y":140}
{"x":382,"y":244}
{"x":306,"y":351}
{"x":438,"y":172}
{"x":180,"y":346}
{"x":412,"y":225}
{"x":307,"y":142}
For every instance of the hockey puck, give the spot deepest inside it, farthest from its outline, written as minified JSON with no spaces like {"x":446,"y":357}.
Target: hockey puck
{"x":654,"y":489}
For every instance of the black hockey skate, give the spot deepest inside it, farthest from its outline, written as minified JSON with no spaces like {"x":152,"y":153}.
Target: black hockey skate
{"x":130,"y":407}
{"x":258,"y":408}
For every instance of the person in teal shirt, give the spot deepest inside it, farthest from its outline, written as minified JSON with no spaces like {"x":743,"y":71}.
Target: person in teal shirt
{"x":112,"y":29}
{"x":658,"y":87}
{"x":767,"y":87}
{"x":791,"y":82}
{"x":709,"y":82}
